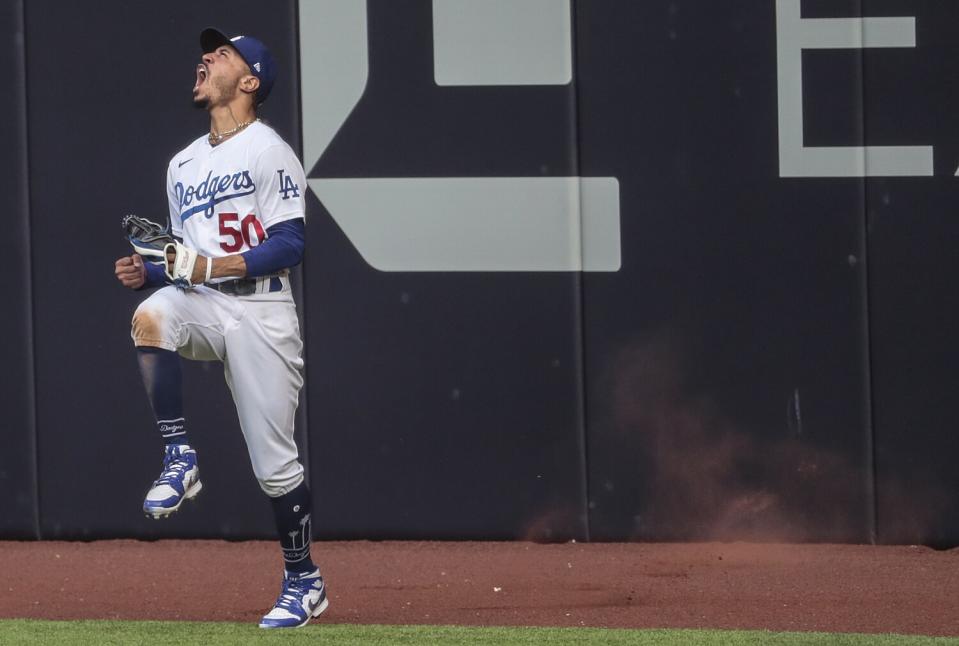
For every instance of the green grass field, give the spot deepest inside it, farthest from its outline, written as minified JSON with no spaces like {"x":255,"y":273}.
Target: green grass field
{"x":161,"y":633}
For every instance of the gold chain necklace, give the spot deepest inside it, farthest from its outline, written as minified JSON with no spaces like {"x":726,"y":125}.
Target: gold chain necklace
{"x":216,"y":138}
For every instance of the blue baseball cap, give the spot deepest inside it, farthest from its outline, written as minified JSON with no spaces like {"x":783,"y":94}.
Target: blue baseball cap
{"x":253,"y":52}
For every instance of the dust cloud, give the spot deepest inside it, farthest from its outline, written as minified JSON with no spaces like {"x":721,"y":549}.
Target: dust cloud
{"x":683,"y":471}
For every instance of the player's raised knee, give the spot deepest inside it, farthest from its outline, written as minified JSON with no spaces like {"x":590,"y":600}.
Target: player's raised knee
{"x":147,"y":326}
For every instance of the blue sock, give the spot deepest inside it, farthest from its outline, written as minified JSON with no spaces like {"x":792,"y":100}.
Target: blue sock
{"x":292,"y":512}
{"x":163,"y":381}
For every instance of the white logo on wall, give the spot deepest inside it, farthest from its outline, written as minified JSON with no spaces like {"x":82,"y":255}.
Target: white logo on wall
{"x":795,"y":34}
{"x":456,"y":223}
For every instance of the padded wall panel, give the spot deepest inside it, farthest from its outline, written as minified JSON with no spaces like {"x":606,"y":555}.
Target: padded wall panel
{"x":727,"y":361}
{"x":110,"y":104}
{"x":442,"y":404}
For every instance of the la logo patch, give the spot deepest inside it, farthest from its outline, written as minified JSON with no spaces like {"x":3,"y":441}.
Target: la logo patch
{"x":287,"y":187}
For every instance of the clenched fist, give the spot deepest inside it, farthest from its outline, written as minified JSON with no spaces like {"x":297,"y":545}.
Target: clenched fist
{"x":131,"y":272}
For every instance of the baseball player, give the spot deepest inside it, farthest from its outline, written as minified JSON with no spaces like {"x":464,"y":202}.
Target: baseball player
{"x":236,"y":199}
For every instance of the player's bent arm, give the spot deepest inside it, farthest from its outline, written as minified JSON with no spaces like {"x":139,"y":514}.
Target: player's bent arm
{"x":282,"y":249}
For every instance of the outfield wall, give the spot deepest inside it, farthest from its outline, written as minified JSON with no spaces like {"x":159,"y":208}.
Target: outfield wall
{"x":591,"y":269}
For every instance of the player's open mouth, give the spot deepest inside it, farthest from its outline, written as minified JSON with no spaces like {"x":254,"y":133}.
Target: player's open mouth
{"x":201,"y":76}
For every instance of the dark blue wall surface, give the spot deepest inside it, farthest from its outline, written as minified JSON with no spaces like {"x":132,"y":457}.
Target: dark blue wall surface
{"x":772,"y":360}
{"x":446,"y":405}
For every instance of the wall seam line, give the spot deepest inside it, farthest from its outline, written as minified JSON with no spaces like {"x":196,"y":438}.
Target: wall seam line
{"x":872,"y":503}
{"x":580,"y":277}
{"x":24,"y":140}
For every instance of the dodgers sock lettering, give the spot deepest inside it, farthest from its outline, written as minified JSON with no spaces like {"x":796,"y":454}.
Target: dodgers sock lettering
{"x":292,"y":512}
{"x":163,"y":379}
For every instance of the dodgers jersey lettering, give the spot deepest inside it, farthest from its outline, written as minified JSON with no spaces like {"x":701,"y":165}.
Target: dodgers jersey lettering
{"x":223,"y":198}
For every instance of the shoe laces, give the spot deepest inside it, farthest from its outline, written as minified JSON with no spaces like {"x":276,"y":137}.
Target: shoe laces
{"x":291,"y":596}
{"x":174,"y":466}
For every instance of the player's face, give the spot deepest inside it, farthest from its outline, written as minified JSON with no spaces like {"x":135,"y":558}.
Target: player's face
{"x":218,"y":76}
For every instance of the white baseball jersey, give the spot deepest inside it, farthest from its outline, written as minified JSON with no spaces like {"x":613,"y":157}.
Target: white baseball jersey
{"x":223,"y":198}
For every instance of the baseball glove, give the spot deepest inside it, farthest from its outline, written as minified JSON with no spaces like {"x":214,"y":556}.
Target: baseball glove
{"x":147,"y":238}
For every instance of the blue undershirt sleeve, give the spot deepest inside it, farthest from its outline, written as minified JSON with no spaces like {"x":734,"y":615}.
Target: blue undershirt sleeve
{"x":155,"y":276}
{"x":282,"y":249}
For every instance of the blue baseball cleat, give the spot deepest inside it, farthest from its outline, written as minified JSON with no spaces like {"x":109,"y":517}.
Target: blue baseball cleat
{"x":179,"y":481}
{"x":303,"y":596}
